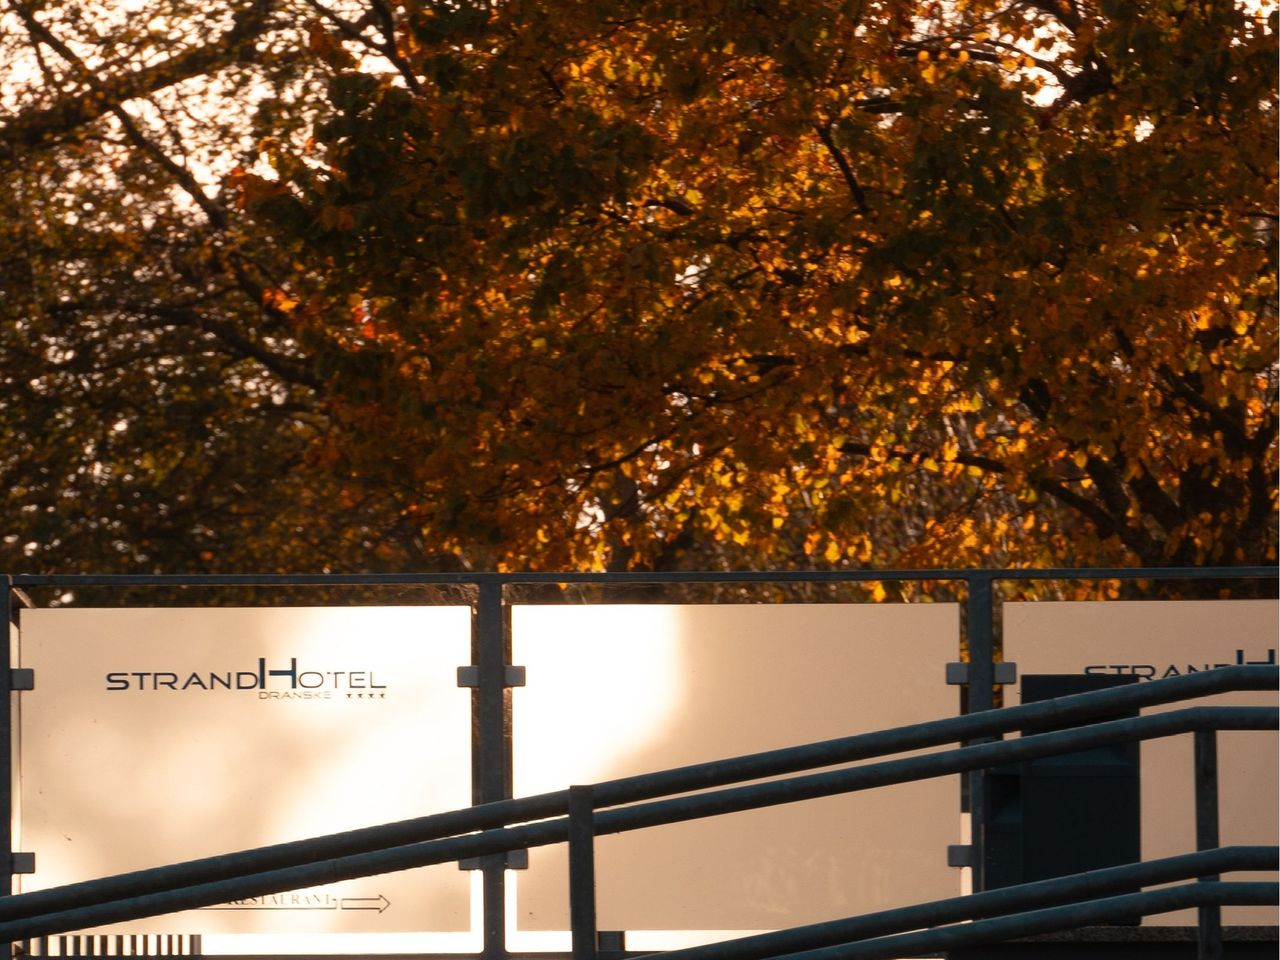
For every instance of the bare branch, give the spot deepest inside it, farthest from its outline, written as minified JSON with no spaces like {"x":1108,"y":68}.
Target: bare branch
{"x":859,"y":197}
{"x":35,"y":129}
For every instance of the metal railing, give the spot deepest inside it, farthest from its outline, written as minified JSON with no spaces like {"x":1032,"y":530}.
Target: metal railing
{"x":1039,"y":895}
{"x":491,"y":599}
{"x":579,"y":814}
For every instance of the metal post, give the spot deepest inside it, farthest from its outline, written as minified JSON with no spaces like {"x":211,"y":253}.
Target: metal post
{"x":6,"y":741}
{"x":6,"y":749}
{"x":493,"y":773}
{"x":582,"y":872}
{"x":1209,"y":929}
{"x":979,"y":622}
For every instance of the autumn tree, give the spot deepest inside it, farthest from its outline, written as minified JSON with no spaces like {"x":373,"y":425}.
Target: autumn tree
{"x":617,"y":284}
{"x":904,"y":282}
{"x":156,"y":411}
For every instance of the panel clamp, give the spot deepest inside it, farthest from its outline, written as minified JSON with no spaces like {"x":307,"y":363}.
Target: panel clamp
{"x":22,"y":678}
{"x":960,"y":855}
{"x":469,"y":676}
{"x":22,"y":863}
{"x":1004,"y":673}
{"x":511,"y":860}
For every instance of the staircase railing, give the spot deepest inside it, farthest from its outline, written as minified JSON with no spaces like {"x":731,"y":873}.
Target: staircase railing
{"x":579,"y":814}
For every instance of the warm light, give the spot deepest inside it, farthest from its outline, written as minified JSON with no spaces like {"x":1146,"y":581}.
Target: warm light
{"x":627,"y":689}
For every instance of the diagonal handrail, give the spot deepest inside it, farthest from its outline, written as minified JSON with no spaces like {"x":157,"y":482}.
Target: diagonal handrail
{"x":1039,"y":894}
{"x":114,"y":905}
{"x":1050,"y":920}
{"x":402,"y":842}
{"x":961,"y":760}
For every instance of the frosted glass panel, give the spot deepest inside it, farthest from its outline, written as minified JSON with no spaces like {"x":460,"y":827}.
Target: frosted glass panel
{"x":620,"y":690}
{"x":160,"y":735}
{"x":1154,"y":639}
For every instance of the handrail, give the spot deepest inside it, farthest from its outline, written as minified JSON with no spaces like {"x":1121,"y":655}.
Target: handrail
{"x":1051,"y":920}
{"x":961,"y":760}
{"x":438,"y":827}
{"x":112,"y":906}
{"x":990,"y":903}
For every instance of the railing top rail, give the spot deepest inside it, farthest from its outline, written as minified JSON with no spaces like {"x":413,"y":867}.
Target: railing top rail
{"x":693,"y":576}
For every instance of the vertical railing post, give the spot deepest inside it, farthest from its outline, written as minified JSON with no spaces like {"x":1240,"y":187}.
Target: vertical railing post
{"x":980,"y":631}
{"x":1209,"y":928}
{"x":6,"y":745}
{"x":493,"y":774}
{"x":582,"y":872}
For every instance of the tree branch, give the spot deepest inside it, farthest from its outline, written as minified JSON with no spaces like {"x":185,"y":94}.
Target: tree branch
{"x":287,"y":369}
{"x":855,"y":190}
{"x":37,"y":128}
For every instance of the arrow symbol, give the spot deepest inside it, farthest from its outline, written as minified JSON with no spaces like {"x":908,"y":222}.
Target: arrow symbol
{"x":379,"y":903}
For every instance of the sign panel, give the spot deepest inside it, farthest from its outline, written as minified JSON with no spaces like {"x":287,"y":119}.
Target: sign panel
{"x":1154,"y":639}
{"x":619,"y":690}
{"x":160,"y":735}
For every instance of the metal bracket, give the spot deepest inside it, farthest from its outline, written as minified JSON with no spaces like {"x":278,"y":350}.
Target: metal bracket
{"x":22,"y":678}
{"x":469,"y":676}
{"x":22,"y":863}
{"x":611,"y":941}
{"x":958,"y":673}
{"x":960,"y":855}
{"x":512,"y":860}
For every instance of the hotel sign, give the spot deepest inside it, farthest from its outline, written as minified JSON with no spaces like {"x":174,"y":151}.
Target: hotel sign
{"x":160,"y":735}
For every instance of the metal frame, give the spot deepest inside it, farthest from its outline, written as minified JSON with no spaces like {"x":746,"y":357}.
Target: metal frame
{"x":492,"y":747}
{"x":165,"y":890}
